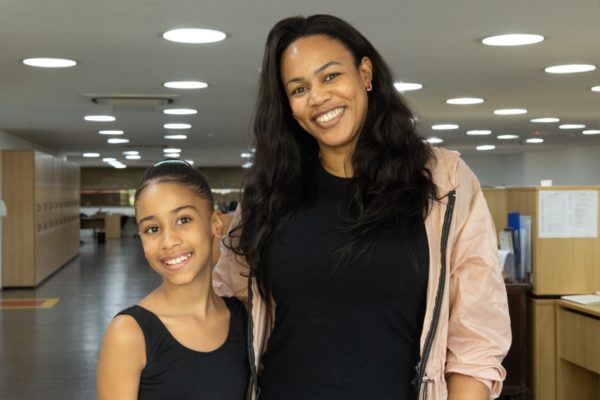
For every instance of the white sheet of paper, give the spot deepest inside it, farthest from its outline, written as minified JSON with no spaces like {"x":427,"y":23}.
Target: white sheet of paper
{"x":568,"y":213}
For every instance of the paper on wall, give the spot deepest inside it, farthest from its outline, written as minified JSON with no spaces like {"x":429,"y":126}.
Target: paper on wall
{"x":568,"y":214}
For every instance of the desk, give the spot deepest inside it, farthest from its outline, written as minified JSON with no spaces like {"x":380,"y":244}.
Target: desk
{"x":577,"y":351}
{"x":109,"y":223}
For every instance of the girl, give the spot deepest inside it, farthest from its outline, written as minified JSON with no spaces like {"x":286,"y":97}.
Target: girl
{"x":181,"y":341}
{"x":370,"y":259}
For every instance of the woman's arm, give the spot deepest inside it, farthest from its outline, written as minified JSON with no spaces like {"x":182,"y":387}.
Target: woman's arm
{"x":462,"y":387}
{"x":479,"y":334}
{"x":121,"y":360}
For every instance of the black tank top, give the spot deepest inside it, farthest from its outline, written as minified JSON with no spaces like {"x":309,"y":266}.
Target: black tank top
{"x":348,"y":332}
{"x":174,"y":371}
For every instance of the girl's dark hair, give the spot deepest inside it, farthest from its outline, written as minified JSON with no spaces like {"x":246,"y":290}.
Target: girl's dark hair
{"x":391,"y":181}
{"x":176,"y":171}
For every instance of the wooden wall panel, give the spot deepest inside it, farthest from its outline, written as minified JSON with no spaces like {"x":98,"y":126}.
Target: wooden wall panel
{"x":41,"y":231}
{"x":18,"y":226}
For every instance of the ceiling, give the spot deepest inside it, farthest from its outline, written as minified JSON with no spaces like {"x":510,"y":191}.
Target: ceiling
{"x":120,"y":50}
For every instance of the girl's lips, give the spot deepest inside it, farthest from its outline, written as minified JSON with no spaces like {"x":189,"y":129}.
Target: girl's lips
{"x":176,"y":263}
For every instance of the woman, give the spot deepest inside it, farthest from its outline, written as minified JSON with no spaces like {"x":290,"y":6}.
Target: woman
{"x":368,"y":260}
{"x":181,"y":341}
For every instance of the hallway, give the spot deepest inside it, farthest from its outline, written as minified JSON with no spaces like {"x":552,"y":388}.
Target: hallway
{"x":50,"y":353}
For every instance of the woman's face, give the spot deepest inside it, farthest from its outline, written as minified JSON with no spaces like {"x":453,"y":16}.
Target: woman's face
{"x":326,"y":90}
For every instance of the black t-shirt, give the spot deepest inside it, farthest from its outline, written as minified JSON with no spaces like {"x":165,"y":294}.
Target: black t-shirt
{"x":174,"y":371}
{"x":342,"y":332}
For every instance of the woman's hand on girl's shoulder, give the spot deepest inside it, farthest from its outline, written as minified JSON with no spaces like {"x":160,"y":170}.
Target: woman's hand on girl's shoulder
{"x":121,"y":360}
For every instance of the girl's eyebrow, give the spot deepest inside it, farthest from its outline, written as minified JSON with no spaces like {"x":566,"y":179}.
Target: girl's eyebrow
{"x":174,"y":211}
{"x":317,"y":71}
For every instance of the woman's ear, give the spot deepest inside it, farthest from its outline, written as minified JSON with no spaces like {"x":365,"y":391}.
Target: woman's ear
{"x":217,"y":224}
{"x":366,"y":70}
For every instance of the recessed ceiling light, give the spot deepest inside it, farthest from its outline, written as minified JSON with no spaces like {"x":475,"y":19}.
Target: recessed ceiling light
{"x":507,"y":137}
{"x":131,"y":152}
{"x":247,"y":164}
{"x":91,"y":155}
{"x":99,"y":118}
{"x":569,"y":68}
{"x":172,"y":155}
{"x":591,"y":132}
{"x":434,"y":140}
{"x":171,"y":150}
{"x":485,"y":147}
{"x":177,"y":126}
{"x":510,"y":111}
{"x":571,"y":126}
{"x":479,"y":132}
{"x":535,"y":140}
{"x":110,"y":132}
{"x":512,"y":39}
{"x":49,"y":62}
{"x":444,"y":127}
{"x":465,"y":100}
{"x":119,"y":166}
{"x":595,"y":89}
{"x":185,"y":85}
{"x":407,"y":86}
{"x":246,"y":155}
{"x":133,"y":157}
{"x":545,"y":120}
{"x":194,"y":36}
{"x":117,"y":141}
{"x":180,"y":111}
{"x":176,"y":137}
{"x":109,"y":159}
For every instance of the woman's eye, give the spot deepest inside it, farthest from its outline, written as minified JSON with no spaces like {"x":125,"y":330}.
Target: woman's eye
{"x":183,"y":220}
{"x":332,"y":76}
{"x":299,"y":90}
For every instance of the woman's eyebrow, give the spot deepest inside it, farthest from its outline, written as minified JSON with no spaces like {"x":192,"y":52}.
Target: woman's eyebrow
{"x":317,"y":71}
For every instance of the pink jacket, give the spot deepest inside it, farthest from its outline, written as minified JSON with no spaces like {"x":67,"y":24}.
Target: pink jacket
{"x":472,"y":334}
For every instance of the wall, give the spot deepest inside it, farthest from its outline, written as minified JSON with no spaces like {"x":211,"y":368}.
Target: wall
{"x":575,"y":166}
{"x":129,"y":178}
{"x":8,"y":141}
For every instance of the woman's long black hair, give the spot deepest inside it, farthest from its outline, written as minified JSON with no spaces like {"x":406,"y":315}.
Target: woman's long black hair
{"x":391,"y":180}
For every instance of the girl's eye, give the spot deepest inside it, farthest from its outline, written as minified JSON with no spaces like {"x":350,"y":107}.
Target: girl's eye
{"x":151,"y":229}
{"x":183,"y":220}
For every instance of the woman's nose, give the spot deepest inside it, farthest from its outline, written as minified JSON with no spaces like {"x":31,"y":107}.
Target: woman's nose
{"x":319,"y":94}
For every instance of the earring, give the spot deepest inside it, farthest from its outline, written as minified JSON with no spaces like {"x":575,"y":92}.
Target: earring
{"x":369,"y":87}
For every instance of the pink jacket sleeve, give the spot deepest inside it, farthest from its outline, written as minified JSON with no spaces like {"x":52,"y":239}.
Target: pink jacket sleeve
{"x":230,"y":272}
{"x":479,"y":334}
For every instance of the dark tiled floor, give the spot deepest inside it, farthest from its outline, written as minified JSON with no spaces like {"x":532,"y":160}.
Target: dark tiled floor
{"x":51,"y":353}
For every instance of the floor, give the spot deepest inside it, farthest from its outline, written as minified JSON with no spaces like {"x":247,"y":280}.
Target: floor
{"x":50,"y":353}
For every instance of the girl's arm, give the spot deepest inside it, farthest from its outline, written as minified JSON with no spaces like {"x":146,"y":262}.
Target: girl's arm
{"x":121,"y":360}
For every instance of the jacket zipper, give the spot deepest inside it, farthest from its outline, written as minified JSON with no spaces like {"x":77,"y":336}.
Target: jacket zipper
{"x":421,"y":378}
{"x":250,"y":343}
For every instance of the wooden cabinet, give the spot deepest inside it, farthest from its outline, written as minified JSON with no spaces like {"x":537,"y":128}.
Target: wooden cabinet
{"x":41,"y":230}
{"x":559,"y":265}
{"x":577,"y":351}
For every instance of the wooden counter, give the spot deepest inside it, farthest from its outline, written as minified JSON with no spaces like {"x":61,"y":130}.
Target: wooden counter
{"x":577,"y":351}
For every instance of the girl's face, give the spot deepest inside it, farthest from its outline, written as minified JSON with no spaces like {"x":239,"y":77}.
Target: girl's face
{"x":177,"y":228}
{"x":326,"y":90}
